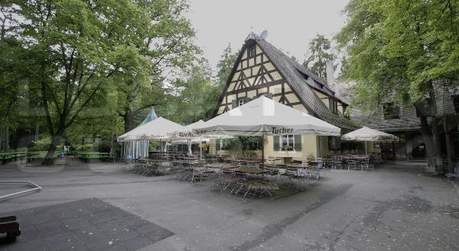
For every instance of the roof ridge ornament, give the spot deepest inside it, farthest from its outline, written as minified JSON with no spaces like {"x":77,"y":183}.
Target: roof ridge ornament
{"x":251,"y":35}
{"x":254,"y":36}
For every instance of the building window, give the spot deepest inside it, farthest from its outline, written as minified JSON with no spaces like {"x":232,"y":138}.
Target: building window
{"x":333,"y":105}
{"x":391,"y":111}
{"x":287,"y":142}
{"x":251,"y":51}
{"x":238,"y":102}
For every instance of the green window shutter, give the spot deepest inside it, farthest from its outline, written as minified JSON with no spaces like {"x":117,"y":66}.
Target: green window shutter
{"x":298,"y":143}
{"x":276,"y":143}
{"x":234,"y":104}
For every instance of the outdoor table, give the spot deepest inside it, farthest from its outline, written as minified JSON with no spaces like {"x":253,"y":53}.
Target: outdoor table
{"x":295,"y":166}
{"x":245,"y":171}
{"x":220,"y":165}
{"x":314,"y":163}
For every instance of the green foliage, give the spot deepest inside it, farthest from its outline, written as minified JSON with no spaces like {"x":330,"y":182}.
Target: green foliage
{"x":225,"y":65}
{"x":89,"y":67}
{"x":319,"y":54}
{"x":167,"y":42}
{"x":397,"y":48}
{"x":192,"y":98}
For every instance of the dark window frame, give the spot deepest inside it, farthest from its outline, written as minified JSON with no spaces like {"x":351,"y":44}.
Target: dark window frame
{"x":333,"y":105}
{"x":293,"y":143}
{"x":251,"y":51}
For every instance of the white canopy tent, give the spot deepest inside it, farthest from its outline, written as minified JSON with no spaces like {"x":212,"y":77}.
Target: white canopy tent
{"x":186,"y":135}
{"x":189,"y":136}
{"x":159,"y":129}
{"x":263,"y":116}
{"x":366,"y":134}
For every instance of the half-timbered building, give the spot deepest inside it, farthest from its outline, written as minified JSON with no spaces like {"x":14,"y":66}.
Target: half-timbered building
{"x":262,"y":69}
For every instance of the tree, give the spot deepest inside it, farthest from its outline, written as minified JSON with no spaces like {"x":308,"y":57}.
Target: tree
{"x":12,"y":77}
{"x":169,"y":47}
{"x":403,"y":51}
{"x":319,"y":55}
{"x":193,"y":98}
{"x":76,"y":48}
{"x":225,"y":65}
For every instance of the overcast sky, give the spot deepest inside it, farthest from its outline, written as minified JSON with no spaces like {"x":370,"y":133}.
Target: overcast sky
{"x":291,"y":24}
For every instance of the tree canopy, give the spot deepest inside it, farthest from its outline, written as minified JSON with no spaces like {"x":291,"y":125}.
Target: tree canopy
{"x":396,"y":48}
{"x":318,"y":55}
{"x":405,"y":51}
{"x":83,"y":55}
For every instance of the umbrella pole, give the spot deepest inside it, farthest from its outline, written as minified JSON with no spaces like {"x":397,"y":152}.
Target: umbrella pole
{"x":200,"y":148}
{"x":366,"y":148}
{"x":262,"y":151}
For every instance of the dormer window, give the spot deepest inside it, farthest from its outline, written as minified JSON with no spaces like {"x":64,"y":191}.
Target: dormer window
{"x":391,"y":111}
{"x":333,"y":105}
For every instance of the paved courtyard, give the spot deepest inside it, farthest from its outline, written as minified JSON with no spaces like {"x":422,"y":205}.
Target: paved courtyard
{"x":390,"y":208}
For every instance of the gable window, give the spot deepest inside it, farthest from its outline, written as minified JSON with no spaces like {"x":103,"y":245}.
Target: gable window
{"x":287,"y":142}
{"x":238,"y":102}
{"x":251,"y":51}
{"x":391,"y":111}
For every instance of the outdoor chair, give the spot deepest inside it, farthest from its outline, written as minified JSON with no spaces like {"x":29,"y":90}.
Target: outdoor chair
{"x":366,"y":164}
{"x":352,"y":164}
{"x":337,"y":162}
{"x":200,"y":174}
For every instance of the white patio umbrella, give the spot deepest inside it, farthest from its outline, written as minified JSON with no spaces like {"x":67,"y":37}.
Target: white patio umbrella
{"x":263,"y":116}
{"x":366,"y":134}
{"x":159,"y":129}
{"x":189,"y":136}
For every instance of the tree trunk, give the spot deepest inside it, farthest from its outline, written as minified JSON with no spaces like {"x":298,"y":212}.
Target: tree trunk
{"x":128,"y":121}
{"x":438,"y":161}
{"x":449,"y":146}
{"x":431,"y":150}
{"x":49,"y":158}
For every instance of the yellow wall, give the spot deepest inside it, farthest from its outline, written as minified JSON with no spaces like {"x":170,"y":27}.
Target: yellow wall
{"x":308,"y":143}
{"x":312,"y":145}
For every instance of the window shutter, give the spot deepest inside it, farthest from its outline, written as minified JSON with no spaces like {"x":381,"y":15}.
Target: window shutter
{"x":276,"y":143}
{"x":234,"y":103}
{"x":298,"y":143}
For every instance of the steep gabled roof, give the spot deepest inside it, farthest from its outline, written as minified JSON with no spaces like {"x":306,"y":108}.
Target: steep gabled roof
{"x":303,"y":82}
